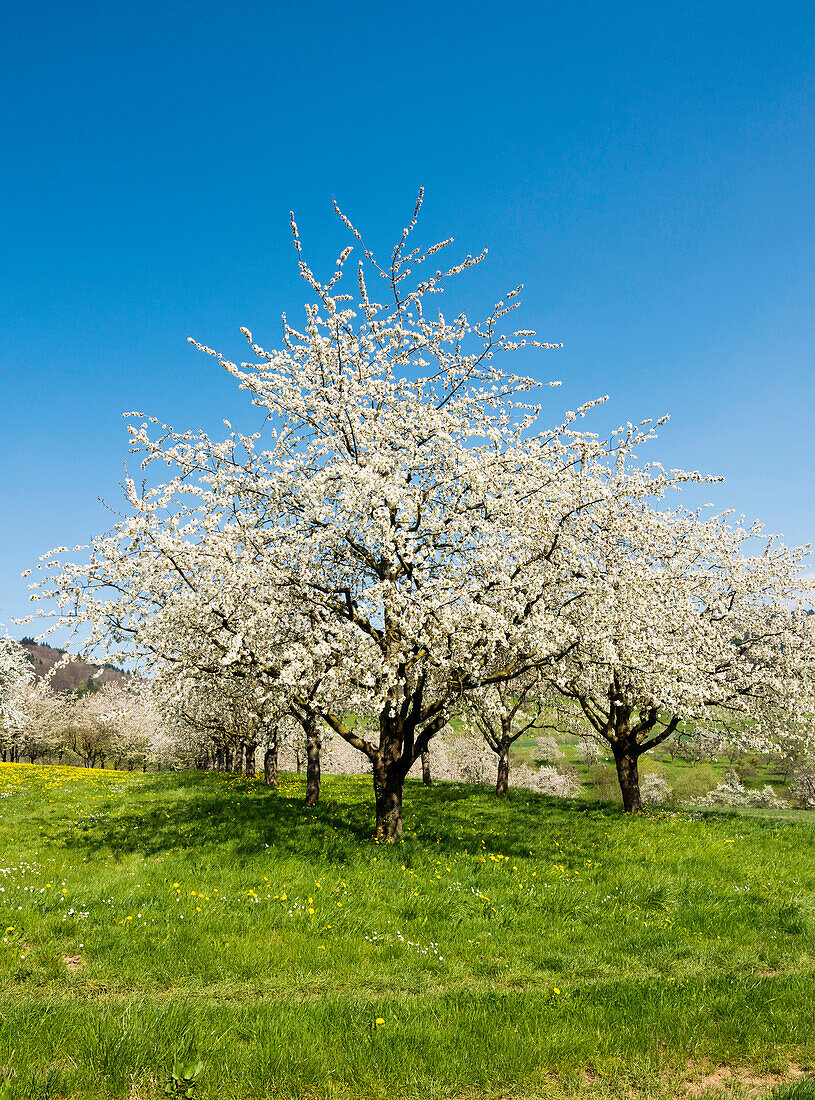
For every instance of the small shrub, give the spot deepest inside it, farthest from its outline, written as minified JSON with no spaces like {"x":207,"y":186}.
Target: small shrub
{"x":654,"y":789}
{"x":562,"y":783}
{"x":731,"y":793}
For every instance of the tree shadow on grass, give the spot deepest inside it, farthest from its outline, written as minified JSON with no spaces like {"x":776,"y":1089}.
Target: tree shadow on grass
{"x":510,"y":825}
{"x":208,"y":811}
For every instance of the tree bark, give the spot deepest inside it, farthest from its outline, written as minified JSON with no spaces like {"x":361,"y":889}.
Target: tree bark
{"x":313,"y":745}
{"x":427,"y":779}
{"x":228,"y":755}
{"x":502,"y":783}
{"x":390,"y":765}
{"x":239,"y":758}
{"x":625,"y":757}
{"x":270,"y":766}
{"x":388,"y":794}
{"x":251,"y":749}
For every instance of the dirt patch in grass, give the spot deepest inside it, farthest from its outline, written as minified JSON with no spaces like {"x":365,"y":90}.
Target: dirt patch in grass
{"x":730,"y":1081}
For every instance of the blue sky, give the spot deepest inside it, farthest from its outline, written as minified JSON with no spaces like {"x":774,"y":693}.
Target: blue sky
{"x":646,"y":170}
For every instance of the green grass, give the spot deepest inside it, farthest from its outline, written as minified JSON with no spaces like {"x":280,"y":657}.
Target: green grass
{"x":528,"y":946}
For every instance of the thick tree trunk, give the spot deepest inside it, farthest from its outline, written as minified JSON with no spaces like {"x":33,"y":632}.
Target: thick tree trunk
{"x":270,"y":767}
{"x":390,"y":766}
{"x":313,"y":745}
{"x":228,"y":756}
{"x":388,"y":793}
{"x":389,"y":769}
{"x":502,"y":783}
{"x":427,"y":779}
{"x":251,"y":749}
{"x":238,"y":765}
{"x":625,"y":757}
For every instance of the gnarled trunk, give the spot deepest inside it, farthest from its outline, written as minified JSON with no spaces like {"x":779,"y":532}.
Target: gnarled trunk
{"x":313,"y":745}
{"x":239,"y":758}
{"x":427,"y":779}
{"x":625,"y":757}
{"x":228,"y":757}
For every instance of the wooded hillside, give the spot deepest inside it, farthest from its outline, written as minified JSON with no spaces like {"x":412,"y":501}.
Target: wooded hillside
{"x":75,"y":676}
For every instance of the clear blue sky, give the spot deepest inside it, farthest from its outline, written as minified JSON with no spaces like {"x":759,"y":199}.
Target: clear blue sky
{"x":647,"y":170}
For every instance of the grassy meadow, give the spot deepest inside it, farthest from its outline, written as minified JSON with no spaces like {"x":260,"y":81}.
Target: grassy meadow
{"x":525,"y":947}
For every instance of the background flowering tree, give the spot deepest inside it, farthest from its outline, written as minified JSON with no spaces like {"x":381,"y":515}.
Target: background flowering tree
{"x":503,"y":712}
{"x":678,"y":621}
{"x":15,"y":677}
{"x":42,"y":720}
{"x":220,"y":721}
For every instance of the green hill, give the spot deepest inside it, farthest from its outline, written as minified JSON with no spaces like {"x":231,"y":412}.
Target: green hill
{"x":519,"y":947}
